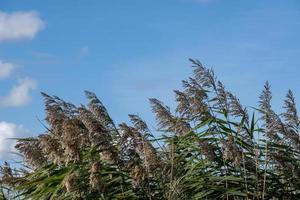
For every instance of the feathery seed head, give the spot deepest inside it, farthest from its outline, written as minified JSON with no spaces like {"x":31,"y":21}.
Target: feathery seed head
{"x":291,"y":116}
{"x":51,"y":147}
{"x":7,"y":174}
{"x":98,"y":110}
{"x":138,"y":123}
{"x":204,"y":76}
{"x":71,"y":182}
{"x":32,"y":152}
{"x":163,"y":114}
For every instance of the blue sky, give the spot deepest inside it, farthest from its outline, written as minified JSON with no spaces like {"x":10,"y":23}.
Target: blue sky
{"x":129,"y":51}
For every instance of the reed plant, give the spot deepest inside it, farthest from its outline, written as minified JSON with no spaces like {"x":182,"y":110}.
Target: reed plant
{"x":209,"y":147}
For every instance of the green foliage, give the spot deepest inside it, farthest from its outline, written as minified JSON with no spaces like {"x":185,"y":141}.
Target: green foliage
{"x":211,"y":148}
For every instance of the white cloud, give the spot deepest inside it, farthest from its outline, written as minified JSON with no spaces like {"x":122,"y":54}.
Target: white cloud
{"x":6,"y":69}
{"x":19,"y":94}
{"x":19,"y":25}
{"x":9,"y":130}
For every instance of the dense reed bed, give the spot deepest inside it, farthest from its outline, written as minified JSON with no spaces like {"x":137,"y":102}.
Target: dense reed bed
{"x":210,"y":147}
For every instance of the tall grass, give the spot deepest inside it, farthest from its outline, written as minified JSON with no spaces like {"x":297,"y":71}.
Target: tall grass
{"x":210,"y":147}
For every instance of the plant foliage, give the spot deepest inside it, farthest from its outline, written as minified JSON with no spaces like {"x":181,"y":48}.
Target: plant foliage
{"x":210,"y":147}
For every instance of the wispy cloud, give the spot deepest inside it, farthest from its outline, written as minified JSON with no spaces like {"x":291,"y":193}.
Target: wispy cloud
{"x":9,"y":130}
{"x":19,"y":94}
{"x":19,"y":25}
{"x":6,"y":69}
{"x":84,"y":51}
{"x":43,"y":55}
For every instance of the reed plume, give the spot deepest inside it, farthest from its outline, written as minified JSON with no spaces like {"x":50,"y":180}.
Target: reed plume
{"x":208,"y":148}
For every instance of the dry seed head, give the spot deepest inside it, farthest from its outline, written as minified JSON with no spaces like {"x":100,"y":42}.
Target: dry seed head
{"x":274,"y":126}
{"x":7,"y":175}
{"x":183,"y":104}
{"x":138,"y":123}
{"x":231,"y":151}
{"x":98,"y":134}
{"x":166,"y":121}
{"x":236,"y":108}
{"x":207,"y":150}
{"x":72,"y":138}
{"x":181,"y":127}
{"x":222,"y":97}
{"x":71,"y":182}
{"x":291,"y":116}
{"x":198,"y":107}
{"x":55,"y":118}
{"x":32,"y":153}
{"x":95,"y":178}
{"x":196,"y":97}
{"x":125,"y":132}
{"x":110,"y":156}
{"x":141,"y":145}
{"x":96,"y":166}
{"x":57,"y":111}
{"x":96,"y":182}
{"x":163,"y":114}
{"x":99,"y":111}
{"x":204,"y":76}
{"x":272,"y":122}
{"x":137,"y":175}
{"x":150,"y":155}
{"x":89,"y":121}
{"x":51,"y":147}
{"x":265,"y":102}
